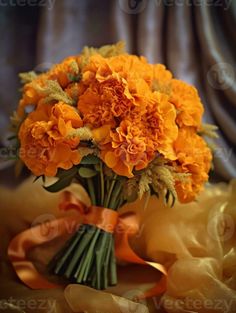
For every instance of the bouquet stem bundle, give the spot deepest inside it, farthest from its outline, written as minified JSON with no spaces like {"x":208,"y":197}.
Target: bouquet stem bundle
{"x":89,"y":256}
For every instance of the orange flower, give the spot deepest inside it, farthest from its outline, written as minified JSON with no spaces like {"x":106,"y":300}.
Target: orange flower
{"x":187,"y":102}
{"x":161,"y":79}
{"x":142,"y":122}
{"x":74,"y":90}
{"x":159,"y":125}
{"x":132,"y":68}
{"x":45,"y":145}
{"x":31,"y":96}
{"x":64,"y":73}
{"x":127,"y":150}
{"x":102,"y":102}
{"x":96,"y":69}
{"x":138,"y":140}
{"x":116,"y":86}
{"x":194,"y":158}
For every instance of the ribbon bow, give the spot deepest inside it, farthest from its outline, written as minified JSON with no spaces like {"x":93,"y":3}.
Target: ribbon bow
{"x":122,"y":225}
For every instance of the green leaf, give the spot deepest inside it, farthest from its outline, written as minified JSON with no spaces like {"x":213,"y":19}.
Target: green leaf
{"x":90,"y":159}
{"x":74,"y":78}
{"x":65,"y":173}
{"x":13,"y":137}
{"x":38,"y":177}
{"x":170,"y":196}
{"x":65,"y":179}
{"x":86,"y":172}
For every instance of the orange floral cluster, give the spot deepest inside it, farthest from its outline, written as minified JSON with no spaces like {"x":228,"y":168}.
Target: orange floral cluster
{"x":45,"y":145}
{"x":136,"y":112}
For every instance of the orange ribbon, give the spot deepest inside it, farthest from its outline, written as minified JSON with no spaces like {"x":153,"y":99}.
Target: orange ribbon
{"x":122,"y":225}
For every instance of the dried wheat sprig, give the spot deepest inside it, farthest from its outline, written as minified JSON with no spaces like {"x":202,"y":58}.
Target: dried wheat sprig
{"x":27,"y":77}
{"x":53,"y":91}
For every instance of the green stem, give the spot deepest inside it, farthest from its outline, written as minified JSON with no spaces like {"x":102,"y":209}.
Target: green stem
{"x":106,"y":262}
{"x":112,"y":265}
{"x":100,"y":253}
{"x":87,"y":236}
{"x":102,"y":182}
{"x":110,"y":191}
{"x":91,"y":190}
{"x":79,"y":275}
{"x":115,"y":196}
{"x":120,"y":203}
{"x":72,"y":244}
{"x":89,"y":269}
{"x":54,"y":261}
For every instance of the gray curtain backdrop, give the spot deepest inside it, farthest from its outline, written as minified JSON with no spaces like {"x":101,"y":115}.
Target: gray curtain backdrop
{"x":195,"y":39}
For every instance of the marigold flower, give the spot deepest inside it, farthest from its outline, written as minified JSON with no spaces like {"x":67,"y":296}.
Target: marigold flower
{"x":127,"y":149}
{"x":142,"y":122}
{"x":193,"y":157}
{"x":187,"y":102}
{"x":161,"y":79}
{"x":132,"y":68}
{"x":45,"y":145}
{"x":103,"y":102}
{"x":31,"y":96}
{"x":159,"y":125}
{"x":66,"y":71}
{"x":136,"y":142}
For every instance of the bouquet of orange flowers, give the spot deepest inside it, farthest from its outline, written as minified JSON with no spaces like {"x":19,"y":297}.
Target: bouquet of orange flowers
{"x":123,"y":129}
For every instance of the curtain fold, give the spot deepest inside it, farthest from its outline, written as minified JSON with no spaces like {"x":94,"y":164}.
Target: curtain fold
{"x":196,"y":42}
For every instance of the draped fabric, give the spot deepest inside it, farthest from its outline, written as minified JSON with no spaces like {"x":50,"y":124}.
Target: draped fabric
{"x":196,"y":242}
{"x":194,"y":39}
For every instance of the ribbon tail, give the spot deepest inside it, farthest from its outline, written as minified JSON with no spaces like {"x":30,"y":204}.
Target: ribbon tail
{"x":124,"y":252}
{"x":26,"y":240}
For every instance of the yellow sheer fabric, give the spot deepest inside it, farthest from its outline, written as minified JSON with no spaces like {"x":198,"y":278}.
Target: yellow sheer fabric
{"x":196,"y":242}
